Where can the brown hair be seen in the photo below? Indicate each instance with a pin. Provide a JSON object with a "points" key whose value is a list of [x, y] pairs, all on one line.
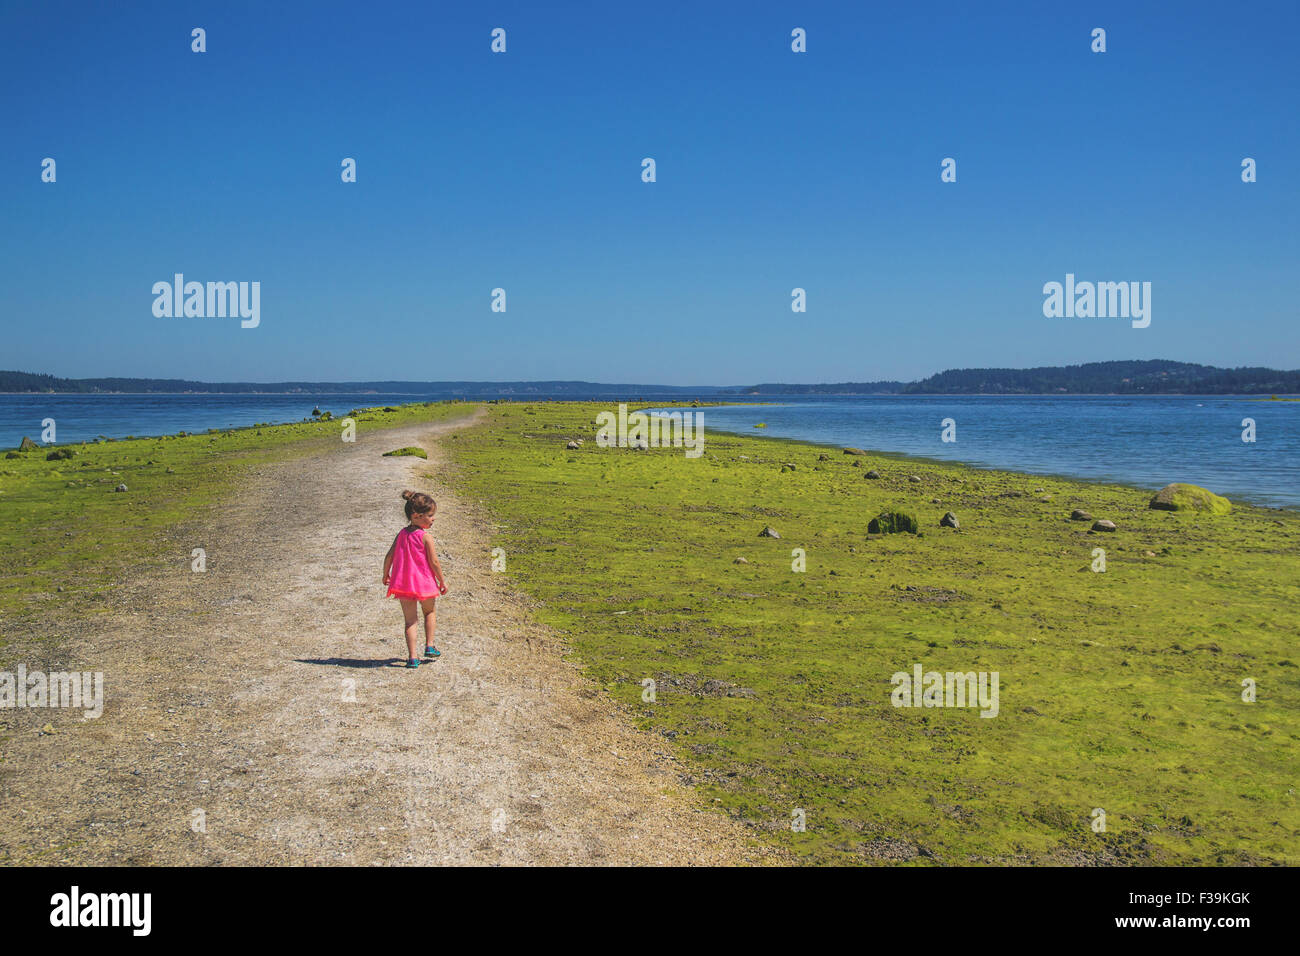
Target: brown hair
{"points": [[417, 502]]}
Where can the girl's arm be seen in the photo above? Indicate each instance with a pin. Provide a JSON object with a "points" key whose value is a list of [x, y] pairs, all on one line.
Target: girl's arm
{"points": [[432, 554], [388, 558]]}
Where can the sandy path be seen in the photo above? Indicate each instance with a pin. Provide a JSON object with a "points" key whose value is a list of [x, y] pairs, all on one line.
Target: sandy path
{"points": [[227, 693]]}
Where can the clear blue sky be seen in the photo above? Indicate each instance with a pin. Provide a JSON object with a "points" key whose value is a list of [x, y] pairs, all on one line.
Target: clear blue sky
{"points": [[522, 170]]}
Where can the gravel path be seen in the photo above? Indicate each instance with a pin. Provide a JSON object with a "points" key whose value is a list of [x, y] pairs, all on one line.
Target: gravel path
{"points": [[258, 713]]}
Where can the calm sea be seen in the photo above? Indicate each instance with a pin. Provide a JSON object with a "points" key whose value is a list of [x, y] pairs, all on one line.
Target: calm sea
{"points": [[1146, 442]]}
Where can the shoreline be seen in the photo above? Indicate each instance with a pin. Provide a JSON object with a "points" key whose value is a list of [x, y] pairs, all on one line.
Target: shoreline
{"points": [[929, 460]]}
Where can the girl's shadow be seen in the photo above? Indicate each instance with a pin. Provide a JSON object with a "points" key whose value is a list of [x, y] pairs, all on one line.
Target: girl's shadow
{"points": [[354, 662]]}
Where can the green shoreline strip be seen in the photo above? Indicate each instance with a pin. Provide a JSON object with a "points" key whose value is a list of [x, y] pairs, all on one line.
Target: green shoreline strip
{"points": [[1119, 690]]}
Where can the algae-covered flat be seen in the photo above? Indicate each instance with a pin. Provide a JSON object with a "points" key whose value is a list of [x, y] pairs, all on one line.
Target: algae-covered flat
{"points": [[1122, 689]]}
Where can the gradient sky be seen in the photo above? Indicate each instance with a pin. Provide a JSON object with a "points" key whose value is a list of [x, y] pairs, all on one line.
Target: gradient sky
{"points": [[523, 170]]}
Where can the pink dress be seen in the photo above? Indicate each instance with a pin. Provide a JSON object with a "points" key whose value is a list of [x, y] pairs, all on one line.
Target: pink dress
{"points": [[410, 576]]}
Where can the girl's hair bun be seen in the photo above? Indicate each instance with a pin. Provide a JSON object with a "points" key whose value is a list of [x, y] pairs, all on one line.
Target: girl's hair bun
{"points": [[408, 495]]}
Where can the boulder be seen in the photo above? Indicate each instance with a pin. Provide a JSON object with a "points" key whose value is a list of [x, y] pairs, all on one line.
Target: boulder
{"points": [[872, 474], [854, 451], [1103, 525], [893, 522], [26, 444], [1181, 497], [949, 520], [1077, 515]]}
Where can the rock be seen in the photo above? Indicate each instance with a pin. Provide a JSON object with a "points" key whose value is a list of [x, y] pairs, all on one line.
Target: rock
{"points": [[949, 520], [856, 463], [26, 444], [1077, 515], [892, 522], [1181, 497], [872, 474], [12, 454], [787, 466], [1103, 525], [1148, 554], [740, 561], [823, 457], [914, 479], [854, 451], [60, 454], [768, 532], [121, 487], [573, 446]]}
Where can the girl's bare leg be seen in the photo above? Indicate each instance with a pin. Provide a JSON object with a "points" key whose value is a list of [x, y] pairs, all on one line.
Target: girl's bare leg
{"points": [[430, 621], [411, 612]]}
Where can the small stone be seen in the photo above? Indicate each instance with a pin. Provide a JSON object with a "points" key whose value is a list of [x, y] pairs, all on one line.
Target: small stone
{"points": [[740, 561], [1077, 515], [914, 479], [572, 446], [854, 451], [768, 532], [120, 488], [1148, 554], [872, 474], [787, 466], [823, 457], [949, 520]]}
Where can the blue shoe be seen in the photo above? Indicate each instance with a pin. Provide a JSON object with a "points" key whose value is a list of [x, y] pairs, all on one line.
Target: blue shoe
{"points": [[431, 652], [413, 662]]}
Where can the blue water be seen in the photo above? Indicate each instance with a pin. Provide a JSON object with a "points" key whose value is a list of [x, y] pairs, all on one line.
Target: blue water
{"points": [[80, 418], [1145, 442]]}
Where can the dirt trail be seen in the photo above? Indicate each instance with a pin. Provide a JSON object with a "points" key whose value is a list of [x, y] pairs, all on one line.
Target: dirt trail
{"points": [[226, 693]]}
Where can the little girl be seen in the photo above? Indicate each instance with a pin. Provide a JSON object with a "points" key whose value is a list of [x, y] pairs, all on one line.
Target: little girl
{"points": [[413, 575]]}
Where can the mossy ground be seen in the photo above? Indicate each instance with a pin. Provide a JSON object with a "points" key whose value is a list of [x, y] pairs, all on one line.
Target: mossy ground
{"points": [[1119, 690], [62, 524]]}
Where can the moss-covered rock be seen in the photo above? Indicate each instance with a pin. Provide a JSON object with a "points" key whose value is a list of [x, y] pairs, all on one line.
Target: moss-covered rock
{"points": [[408, 450], [1182, 497], [27, 444], [893, 522]]}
